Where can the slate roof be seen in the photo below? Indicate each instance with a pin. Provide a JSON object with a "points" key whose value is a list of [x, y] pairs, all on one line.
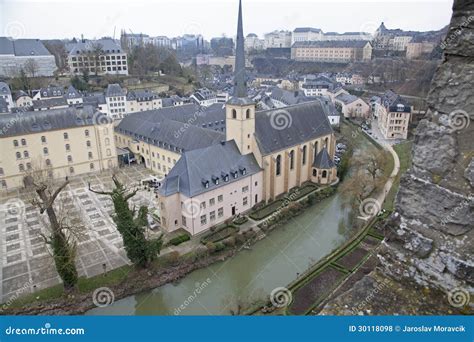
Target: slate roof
{"points": [[49, 103], [141, 95], [47, 120], [22, 47], [4, 89], [199, 166], [306, 29], [108, 45], [323, 160], [333, 44], [288, 97], [391, 100], [346, 98], [114, 90], [3, 106], [20, 93], [72, 93], [51, 91], [278, 129], [161, 127]]}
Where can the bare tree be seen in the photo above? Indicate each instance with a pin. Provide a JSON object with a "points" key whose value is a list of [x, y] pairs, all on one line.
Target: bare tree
{"points": [[61, 241], [31, 67]]}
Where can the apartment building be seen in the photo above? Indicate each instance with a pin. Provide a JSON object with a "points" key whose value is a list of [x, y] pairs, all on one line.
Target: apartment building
{"points": [[332, 51], [115, 98], [352, 106], [306, 34], [141, 100], [204, 97], [64, 142], [103, 56], [277, 39], [393, 114]]}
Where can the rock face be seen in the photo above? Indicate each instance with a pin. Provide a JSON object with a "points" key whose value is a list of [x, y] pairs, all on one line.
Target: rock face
{"points": [[431, 233]]}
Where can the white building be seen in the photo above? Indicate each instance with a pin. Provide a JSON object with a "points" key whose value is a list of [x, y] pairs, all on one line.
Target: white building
{"points": [[278, 39], [103, 56], [29, 55], [252, 42], [6, 95], [115, 97], [306, 34], [204, 97]]}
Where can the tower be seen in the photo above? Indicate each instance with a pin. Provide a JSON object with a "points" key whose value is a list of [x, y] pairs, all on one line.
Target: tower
{"points": [[240, 110]]}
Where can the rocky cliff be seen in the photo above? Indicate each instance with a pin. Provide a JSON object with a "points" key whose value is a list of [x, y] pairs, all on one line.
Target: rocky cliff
{"points": [[430, 236]]}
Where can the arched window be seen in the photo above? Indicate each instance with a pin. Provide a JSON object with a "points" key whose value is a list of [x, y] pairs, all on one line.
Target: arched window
{"points": [[15, 143], [45, 151], [292, 159], [107, 141], [278, 165], [26, 154], [325, 173], [91, 165], [68, 147], [247, 114], [18, 155], [69, 159], [43, 139], [21, 167], [326, 142], [66, 136], [23, 142], [234, 114], [304, 155], [109, 153], [28, 166], [315, 173], [71, 170], [86, 132], [48, 162]]}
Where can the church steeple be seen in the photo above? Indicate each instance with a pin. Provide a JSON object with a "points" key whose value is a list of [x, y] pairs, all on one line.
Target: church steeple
{"points": [[240, 86]]}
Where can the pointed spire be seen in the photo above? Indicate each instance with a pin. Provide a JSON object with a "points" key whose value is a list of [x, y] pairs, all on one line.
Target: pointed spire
{"points": [[240, 86]]}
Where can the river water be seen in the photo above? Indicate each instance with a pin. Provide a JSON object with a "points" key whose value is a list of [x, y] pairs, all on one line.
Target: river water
{"points": [[251, 274]]}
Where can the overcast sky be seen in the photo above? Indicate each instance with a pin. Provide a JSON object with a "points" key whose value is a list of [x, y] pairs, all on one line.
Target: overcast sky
{"points": [[212, 18]]}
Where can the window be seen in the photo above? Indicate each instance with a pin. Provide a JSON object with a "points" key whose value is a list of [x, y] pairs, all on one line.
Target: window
{"points": [[304, 155], [1, 171], [91, 166], [86, 133], [212, 201], [247, 114], [21, 167], [278, 165], [26, 154], [90, 155], [220, 212], [234, 114], [245, 189], [315, 173], [107, 142], [15, 143], [43, 139], [69, 159], [18, 155], [68, 147], [88, 143], [23, 142], [325, 173], [183, 220], [212, 216], [108, 152], [4, 184], [71, 170], [66, 136], [48, 162], [28, 166], [203, 219], [292, 159], [203, 205], [220, 198]]}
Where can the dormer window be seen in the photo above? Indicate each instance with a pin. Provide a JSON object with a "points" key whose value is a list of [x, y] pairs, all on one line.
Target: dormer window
{"points": [[225, 177], [205, 182], [243, 170], [215, 179]]}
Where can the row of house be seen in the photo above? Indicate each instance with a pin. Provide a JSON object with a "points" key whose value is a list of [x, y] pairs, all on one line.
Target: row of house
{"points": [[332, 51]]}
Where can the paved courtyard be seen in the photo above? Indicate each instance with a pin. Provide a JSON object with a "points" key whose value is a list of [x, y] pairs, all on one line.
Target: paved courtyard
{"points": [[26, 263]]}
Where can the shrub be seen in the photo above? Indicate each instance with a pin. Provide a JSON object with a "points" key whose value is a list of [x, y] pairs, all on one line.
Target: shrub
{"points": [[240, 220], [219, 246], [211, 247], [179, 239]]}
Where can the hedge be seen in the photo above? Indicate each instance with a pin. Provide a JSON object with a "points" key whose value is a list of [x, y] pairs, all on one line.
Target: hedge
{"points": [[179, 239]]}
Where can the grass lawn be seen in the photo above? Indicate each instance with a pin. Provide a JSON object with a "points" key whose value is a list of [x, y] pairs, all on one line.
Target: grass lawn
{"points": [[84, 285], [267, 210], [404, 154]]}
